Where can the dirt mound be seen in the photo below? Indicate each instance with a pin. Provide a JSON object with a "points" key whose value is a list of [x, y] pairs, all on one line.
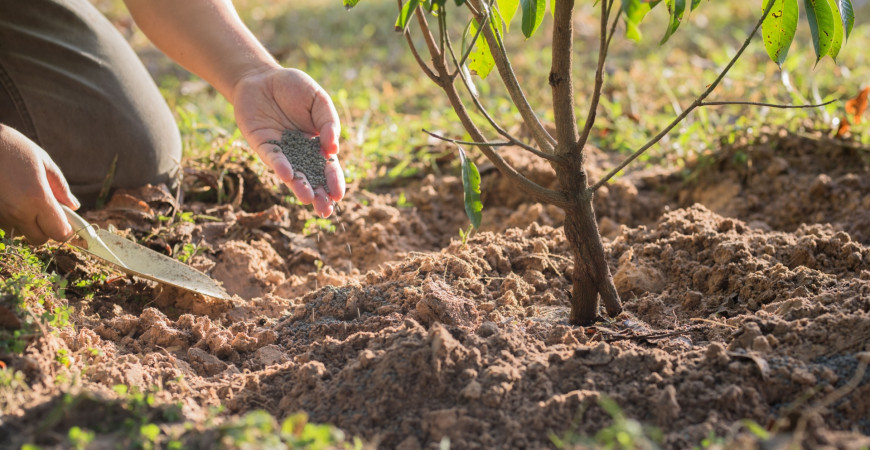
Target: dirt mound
{"points": [[395, 331]]}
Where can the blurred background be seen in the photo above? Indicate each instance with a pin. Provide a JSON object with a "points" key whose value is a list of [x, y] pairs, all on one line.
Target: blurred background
{"points": [[384, 99]]}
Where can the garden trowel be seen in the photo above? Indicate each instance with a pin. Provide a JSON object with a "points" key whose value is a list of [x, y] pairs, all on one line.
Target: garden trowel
{"points": [[141, 261]]}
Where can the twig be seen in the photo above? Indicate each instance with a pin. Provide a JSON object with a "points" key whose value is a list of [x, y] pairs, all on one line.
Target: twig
{"points": [[714, 322], [698, 102], [769, 105], [599, 76], [420, 61], [612, 29], [425, 67], [648, 336], [508, 143], [457, 141]]}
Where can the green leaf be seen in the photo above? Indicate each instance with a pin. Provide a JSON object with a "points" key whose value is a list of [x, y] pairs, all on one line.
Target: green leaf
{"points": [[778, 28], [847, 14], [837, 40], [821, 21], [471, 186], [676, 8], [635, 11], [508, 9], [405, 15], [480, 59], [695, 4], [533, 15], [348, 4]]}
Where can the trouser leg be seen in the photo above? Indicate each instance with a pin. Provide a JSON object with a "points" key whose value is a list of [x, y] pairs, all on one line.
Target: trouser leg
{"points": [[71, 83]]}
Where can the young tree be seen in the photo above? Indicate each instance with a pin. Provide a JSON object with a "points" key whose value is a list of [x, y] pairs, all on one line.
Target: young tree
{"points": [[830, 22]]}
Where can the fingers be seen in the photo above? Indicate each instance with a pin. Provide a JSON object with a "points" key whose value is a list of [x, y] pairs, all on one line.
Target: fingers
{"points": [[52, 222], [334, 179], [323, 205], [59, 186], [33, 232], [329, 138], [326, 120], [273, 157]]}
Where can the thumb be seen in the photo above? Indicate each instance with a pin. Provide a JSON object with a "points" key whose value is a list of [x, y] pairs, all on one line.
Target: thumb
{"points": [[59, 186]]}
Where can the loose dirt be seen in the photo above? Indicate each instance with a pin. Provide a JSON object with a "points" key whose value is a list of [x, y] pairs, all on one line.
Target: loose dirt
{"points": [[746, 288]]}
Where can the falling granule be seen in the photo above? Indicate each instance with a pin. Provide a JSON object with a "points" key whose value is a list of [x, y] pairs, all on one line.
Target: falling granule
{"points": [[304, 155]]}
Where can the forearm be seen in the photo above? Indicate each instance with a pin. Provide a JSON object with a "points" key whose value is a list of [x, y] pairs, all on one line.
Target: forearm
{"points": [[206, 37]]}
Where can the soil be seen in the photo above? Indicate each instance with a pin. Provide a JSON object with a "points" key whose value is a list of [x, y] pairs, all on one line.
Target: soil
{"points": [[746, 288]]}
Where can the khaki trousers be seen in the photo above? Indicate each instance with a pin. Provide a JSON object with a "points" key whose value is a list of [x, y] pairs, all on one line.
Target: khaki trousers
{"points": [[71, 83]]}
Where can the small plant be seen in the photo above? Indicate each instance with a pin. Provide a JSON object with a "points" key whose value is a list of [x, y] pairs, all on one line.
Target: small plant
{"points": [[314, 224], [622, 434], [79, 438], [187, 251], [450, 65], [259, 429]]}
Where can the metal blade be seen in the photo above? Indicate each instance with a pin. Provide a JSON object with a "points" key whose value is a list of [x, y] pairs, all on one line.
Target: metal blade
{"points": [[146, 263], [141, 261]]}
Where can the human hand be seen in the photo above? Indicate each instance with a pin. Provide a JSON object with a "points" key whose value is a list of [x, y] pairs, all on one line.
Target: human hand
{"points": [[31, 190], [266, 103]]}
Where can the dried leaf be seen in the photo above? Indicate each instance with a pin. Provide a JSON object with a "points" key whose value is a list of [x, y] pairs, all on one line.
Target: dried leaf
{"points": [[856, 106], [843, 129]]}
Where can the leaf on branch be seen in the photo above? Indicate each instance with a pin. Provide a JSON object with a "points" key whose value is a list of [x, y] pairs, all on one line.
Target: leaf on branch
{"points": [[821, 20], [348, 4], [533, 15], [837, 41], [856, 106], [676, 8], [480, 59], [508, 9], [847, 15], [471, 186], [405, 15], [779, 27], [635, 11]]}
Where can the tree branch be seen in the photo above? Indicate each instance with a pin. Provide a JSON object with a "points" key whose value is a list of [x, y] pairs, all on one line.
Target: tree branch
{"points": [[698, 102], [606, 6], [420, 61], [561, 80], [511, 139], [508, 77], [508, 143], [769, 105], [470, 46], [534, 190], [423, 66]]}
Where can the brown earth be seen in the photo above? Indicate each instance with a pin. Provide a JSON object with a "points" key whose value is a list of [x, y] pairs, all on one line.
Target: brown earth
{"points": [[746, 287]]}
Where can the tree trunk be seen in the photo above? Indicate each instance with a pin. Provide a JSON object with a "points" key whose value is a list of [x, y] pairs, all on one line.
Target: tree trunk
{"points": [[591, 277]]}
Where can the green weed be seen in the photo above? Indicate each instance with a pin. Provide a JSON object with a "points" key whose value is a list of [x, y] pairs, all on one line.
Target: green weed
{"points": [[314, 224], [623, 434]]}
